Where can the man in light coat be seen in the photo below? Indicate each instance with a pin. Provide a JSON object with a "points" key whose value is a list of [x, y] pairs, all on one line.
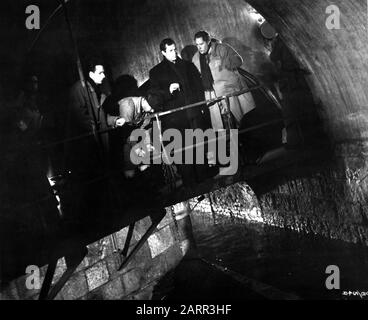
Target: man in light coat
{"points": [[218, 63]]}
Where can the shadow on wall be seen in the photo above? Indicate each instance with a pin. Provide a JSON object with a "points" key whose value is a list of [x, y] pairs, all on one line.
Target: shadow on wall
{"points": [[188, 52]]}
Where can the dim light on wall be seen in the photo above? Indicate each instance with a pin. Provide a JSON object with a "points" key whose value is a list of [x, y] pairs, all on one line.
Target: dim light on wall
{"points": [[256, 16]]}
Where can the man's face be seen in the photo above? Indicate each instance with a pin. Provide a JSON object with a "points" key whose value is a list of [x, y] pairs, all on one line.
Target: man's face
{"points": [[202, 45], [170, 53], [98, 75]]}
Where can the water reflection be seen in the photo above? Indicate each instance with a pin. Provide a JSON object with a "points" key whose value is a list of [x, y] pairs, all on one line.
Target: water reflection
{"points": [[290, 261]]}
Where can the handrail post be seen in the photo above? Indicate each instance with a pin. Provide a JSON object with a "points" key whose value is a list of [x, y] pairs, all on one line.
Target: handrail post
{"points": [[169, 172], [227, 114]]}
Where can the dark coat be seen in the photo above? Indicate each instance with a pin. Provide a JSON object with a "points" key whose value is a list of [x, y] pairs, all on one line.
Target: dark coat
{"points": [[191, 91], [81, 104], [82, 154]]}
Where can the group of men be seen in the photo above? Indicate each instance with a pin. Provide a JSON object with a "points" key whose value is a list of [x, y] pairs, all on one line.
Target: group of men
{"points": [[211, 74], [174, 83]]}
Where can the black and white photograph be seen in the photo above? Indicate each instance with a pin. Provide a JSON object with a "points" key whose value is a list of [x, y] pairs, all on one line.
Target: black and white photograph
{"points": [[187, 155]]}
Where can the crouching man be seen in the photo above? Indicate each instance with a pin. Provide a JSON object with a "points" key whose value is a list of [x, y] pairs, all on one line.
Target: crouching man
{"points": [[131, 113]]}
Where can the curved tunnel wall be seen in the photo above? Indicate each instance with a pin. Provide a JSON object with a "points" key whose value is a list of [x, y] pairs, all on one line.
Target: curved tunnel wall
{"points": [[336, 58], [331, 198], [131, 35]]}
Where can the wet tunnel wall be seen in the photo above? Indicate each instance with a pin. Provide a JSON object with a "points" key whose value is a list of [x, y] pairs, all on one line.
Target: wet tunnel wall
{"points": [[331, 200], [336, 58]]}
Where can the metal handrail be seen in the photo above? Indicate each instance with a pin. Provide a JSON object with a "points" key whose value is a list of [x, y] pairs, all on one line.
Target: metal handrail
{"points": [[208, 102], [160, 114], [265, 90], [152, 116]]}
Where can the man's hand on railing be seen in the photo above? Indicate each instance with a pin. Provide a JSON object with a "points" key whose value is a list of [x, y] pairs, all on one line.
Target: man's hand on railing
{"points": [[223, 108], [122, 121]]}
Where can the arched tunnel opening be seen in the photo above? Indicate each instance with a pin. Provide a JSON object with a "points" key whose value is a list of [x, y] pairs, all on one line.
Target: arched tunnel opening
{"points": [[80, 222]]}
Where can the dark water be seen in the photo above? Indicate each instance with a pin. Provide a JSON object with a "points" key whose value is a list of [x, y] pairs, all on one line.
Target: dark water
{"points": [[289, 261]]}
